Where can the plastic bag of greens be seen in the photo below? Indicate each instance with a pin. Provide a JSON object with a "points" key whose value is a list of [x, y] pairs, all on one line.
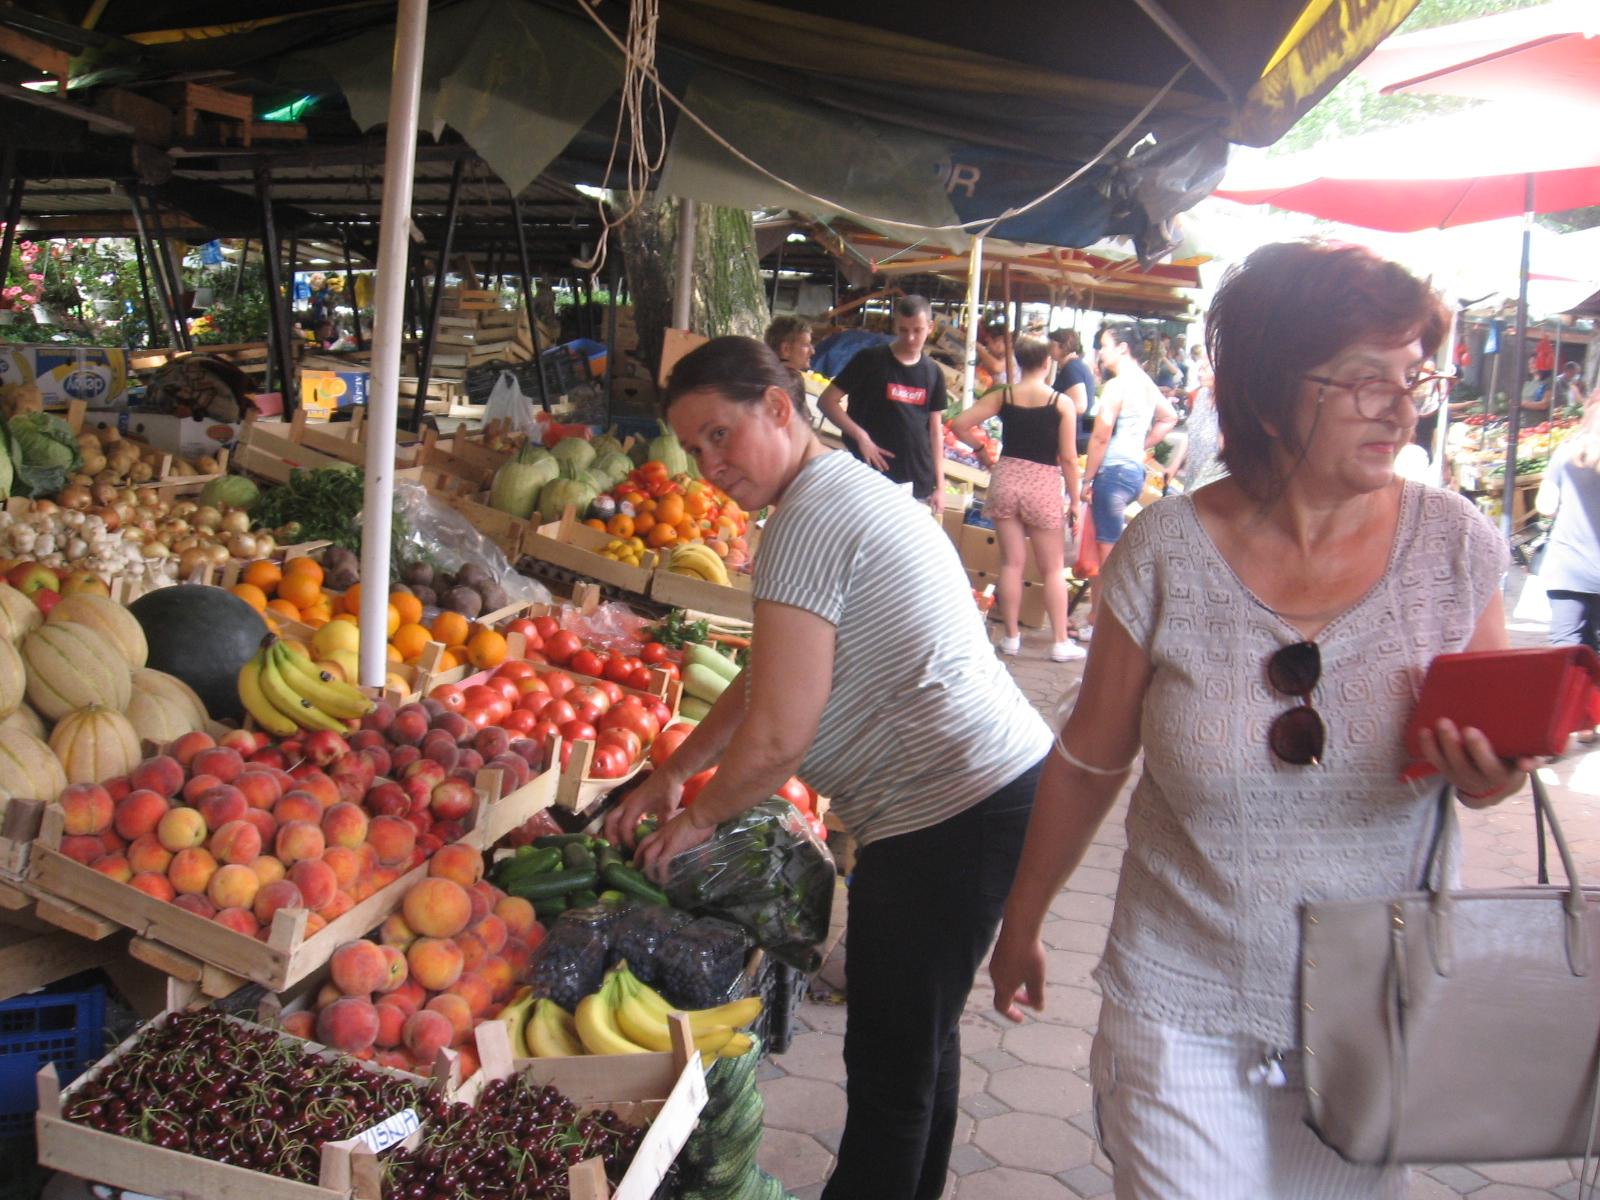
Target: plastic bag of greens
{"points": [[767, 873]]}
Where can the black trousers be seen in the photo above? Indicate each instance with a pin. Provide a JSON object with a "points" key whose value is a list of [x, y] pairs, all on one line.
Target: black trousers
{"points": [[923, 911]]}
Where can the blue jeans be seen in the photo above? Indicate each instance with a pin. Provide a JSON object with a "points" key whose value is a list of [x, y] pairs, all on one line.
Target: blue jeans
{"points": [[1116, 485]]}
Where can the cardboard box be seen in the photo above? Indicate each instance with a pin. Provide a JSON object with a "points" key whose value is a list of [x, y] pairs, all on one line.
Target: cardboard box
{"points": [[980, 549], [177, 435], [1032, 614], [321, 392], [97, 375], [952, 520]]}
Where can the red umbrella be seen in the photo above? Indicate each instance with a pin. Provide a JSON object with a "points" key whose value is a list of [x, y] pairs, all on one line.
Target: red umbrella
{"points": [[1551, 52]]}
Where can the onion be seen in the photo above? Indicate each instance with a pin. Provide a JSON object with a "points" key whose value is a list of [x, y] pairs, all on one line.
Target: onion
{"points": [[191, 560], [104, 493], [134, 535], [206, 517], [266, 544], [45, 508], [236, 521], [218, 553], [75, 496], [184, 508]]}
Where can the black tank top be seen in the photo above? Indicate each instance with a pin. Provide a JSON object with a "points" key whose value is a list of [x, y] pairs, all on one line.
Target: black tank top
{"points": [[1032, 434]]}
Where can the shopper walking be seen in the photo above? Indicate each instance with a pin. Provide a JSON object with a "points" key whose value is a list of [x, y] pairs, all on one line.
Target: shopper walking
{"points": [[1074, 380], [1038, 450], [871, 677], [1273, 628], [1570, 571]]}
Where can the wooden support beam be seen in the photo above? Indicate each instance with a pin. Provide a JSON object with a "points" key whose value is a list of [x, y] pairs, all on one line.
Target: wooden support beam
{"points": [[47, 59]]}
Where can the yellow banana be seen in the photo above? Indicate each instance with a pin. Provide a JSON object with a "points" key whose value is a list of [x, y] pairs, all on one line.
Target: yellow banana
{"points": [[550, 1032], [596, 1020], [642, 1014], [700, 560], [515, 1016], [289, 702], [333, 696], [256, 703], [738, 1046], [735, 1014]]}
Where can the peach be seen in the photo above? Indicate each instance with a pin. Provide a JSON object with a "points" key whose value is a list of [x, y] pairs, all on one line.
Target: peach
{"points": [[475, 990], [266, 824], [191, 870], [236, 842], [395, 932], [181, 829], [518, 954], [409, 997], [161, 774], [83, 847], [491, 931], [320, 786], [221, 804], [473, 951], [148, 854], [152, 884], [200, 906], [396, 1060], [302, 1024], [438, 908], [316, 882], [299, 841], [386, 798], [409, 726], [259, 787], [481, 905], [395, 959], [234, 886], [297, 806], [454, 726], [341, 903], [197, 786], [138, 813], [240, 920], [345, 825], [378, 760], [455, 1010], [245, 741], [314, 923], [467, 1059], [517, 915], [273, 896], [222, 761], [459, 863], [401, 757], [383, 877], [87, 810], [111, 843], [391, 1020], [345, 864], [435, 963], [349, 1024], [324, 747], [326, 995], [117, 788], [425, 1033], [497, 973], [268, 869], [379, 719], [359, 968], [392, 838], [114, 866], [189, 745]]}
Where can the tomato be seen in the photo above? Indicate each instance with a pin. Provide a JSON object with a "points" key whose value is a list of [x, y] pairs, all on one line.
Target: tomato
{"points": [[673, 670], [610, 761], [578, 731], [560, 647], [631, 714], [693, 785], [516, 668], [534, 702], [592, 694], [626, 738], [639, 679], [506, 687], [610, 688], [617, 668], [534, 656], [559, 711], [586, 662], [531, 637], [797, 794], [480, 695], [653, 652], [566, 754], [657, 709], [532, 683], [588, 712], [668, 742], [559, 683], [519, 720], [543, 730], [449, 695], [546, 627], [478, 718]]}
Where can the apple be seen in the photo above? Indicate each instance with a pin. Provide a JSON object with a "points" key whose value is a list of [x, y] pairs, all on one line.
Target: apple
{"points": [[84, 583], [45, 599], [29, 577]]}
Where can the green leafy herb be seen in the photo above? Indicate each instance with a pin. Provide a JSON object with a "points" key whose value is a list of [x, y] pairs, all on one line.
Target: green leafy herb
{"points": [[325, 504], [676, 630]]}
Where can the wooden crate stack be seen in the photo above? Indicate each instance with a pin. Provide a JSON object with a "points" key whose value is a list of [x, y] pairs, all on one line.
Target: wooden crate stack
{"points": [[473, 330]]}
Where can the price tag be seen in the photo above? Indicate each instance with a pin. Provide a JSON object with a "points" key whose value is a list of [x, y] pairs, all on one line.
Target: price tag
{"points": [[391, 1130]]}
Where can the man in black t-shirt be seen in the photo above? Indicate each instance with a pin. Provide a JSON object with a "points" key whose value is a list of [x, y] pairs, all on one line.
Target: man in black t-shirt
{"points": [[896, 398]]}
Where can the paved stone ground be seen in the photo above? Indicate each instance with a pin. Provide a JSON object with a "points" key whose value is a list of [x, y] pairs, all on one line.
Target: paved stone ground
{"points": [[1025, 1131]]}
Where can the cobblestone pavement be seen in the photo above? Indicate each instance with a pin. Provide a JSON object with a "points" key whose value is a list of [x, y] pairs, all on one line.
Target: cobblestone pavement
{"points": [[1025, 1131]]}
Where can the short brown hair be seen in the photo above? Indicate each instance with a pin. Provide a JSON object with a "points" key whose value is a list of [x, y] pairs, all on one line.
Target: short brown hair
{"points": [[1286, 308], [1030, 352], [1067, 339], [784, 329]]}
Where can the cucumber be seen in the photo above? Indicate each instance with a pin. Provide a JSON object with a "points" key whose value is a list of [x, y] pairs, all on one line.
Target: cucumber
{"points": [[549, 906], [555, 883], [692, 708], [703, 682], [705, 656], [625, 879], [578, 857], [560, 839], [537, 863], [582, 899]]}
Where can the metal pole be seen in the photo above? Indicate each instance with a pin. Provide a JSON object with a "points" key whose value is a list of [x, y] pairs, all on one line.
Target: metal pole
{"points": [[1011, 311], [350, 291], [238, 274], [527, 300], [1518, 361], [13, 215], [777, 269], [683, 292], [144, 289], [400, 155], [148, 266], [425, 366], [974, 275], [162, 250], [1446, 347], [279, 326], [611, 333]]}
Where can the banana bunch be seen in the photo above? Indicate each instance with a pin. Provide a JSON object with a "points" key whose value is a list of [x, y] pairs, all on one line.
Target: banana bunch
{"points": [[548, 1032], [286, 693], [627, 1017], [698, 561]]}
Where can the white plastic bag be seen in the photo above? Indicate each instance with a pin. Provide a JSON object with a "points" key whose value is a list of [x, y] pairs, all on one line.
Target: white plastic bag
{"points": [[508, 405]]}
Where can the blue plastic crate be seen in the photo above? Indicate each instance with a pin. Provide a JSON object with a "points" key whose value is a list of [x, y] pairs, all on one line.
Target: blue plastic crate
{"points": [[66, 1028]]}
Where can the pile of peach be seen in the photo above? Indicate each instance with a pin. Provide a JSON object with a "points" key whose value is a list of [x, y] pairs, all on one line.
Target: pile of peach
{"points": [[447, 961]]}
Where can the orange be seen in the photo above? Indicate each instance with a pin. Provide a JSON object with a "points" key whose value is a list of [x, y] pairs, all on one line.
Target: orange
{"points": [[486, 649], [447, 662], [411, 639], [262, 574], [284, 608], [661, 535], [344, 616], [319, 613], [670, 508], [393, 654], [253, 596], [643, 523], [304, 566], [698, 503], [351, 602], [393, 619], [300, 590], [451, 628], [687, 530], [409, 607], [620, 526], [596, 523]]}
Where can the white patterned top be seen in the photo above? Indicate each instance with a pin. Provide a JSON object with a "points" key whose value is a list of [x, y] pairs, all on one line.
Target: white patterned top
{"points": [[1225, 842]]}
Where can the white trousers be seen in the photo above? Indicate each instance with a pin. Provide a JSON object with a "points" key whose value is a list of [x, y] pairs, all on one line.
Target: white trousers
{"points": [[1186, 1116]]}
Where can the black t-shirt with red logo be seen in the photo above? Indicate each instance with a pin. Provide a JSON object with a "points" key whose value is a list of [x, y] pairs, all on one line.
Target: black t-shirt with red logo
{"points": [[892, 401]]}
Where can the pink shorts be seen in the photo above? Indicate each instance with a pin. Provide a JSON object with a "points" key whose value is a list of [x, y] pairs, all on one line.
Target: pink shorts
{"points": [[1029, 491]]}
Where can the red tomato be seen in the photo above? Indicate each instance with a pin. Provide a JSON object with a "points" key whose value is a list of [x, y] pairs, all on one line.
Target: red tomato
{"points": [[626, 738], [588, 712], [449, 695], [534, 657], [544, 730], [589, 693], [610, 761], [668, 742], [639, 679], [586, 662], [559, 711], [578, 731], [657, 709], [515, 669], [566, 754], [560, 647], [653, 652], [519, 720], [532, 684], [499, 710], [506, 687], [480, 695], [617, 669], [693, 785], [533, 702], [610, 688], [545, 627], [631, 714], [671, 668], [478, 718], [559, 683], [797, 794], [532, 638]]}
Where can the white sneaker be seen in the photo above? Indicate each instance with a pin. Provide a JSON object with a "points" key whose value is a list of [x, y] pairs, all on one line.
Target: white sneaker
{"points": [[1067, 651], [1084, 633], [1011, 645]]}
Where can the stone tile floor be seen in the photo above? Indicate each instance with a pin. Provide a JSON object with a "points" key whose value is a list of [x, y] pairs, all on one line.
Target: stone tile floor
{"points": [[1025, 1132]]}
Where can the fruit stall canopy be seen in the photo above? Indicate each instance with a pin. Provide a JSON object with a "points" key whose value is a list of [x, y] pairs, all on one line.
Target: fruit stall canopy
{"points": [[934, 114]]}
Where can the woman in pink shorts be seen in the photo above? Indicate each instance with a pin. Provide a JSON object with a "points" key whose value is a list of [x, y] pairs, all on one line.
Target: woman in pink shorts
{"points": [[1028, 488]]}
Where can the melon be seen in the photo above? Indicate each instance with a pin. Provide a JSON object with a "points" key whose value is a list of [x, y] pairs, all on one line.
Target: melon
{"points": [[71, 666], [158, 683], [28, 721], [95, 744], [29, 767], [19, 616], [107, 618], [202, 635], [13, 679], [158, 717]]}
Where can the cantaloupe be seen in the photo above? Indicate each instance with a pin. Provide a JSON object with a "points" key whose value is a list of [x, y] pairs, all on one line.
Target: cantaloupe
{"points": [[70, 666], [29, 768], [13, 679], [28, 721], [203, 635], [95, 744], [148, 681], [19, 616], [107, 618], [159, 717]]}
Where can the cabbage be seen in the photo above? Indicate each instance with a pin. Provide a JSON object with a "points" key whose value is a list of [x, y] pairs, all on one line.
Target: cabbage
{"points": [[517, 486], [614, 465], [234, 491], [6, 472], [532, 452], [574, 452], [556, 495], [606, 443], [666, 449], [44, 452]]}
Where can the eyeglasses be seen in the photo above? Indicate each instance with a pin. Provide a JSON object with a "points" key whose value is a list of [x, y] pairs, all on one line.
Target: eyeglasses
{"points": [[1297, 736], [1376, 398]]}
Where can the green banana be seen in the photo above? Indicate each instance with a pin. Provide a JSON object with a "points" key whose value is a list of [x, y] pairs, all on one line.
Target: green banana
{"points": [[334, 697], [289, 702], [257, 704]]}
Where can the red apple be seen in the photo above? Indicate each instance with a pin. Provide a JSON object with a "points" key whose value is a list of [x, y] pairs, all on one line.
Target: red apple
{"points": [[45, 599], [29, 577]]}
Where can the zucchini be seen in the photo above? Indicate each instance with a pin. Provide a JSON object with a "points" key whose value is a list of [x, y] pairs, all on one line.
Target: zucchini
{"points": [[560, 839], [703, 683], [539, 862], [582, 899], [554, 883], [714, 660], [549, 906], [578, 857], [624, 878]]}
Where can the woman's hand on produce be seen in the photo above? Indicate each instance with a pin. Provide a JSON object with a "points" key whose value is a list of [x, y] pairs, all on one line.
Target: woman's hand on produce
{"points": [[1467, 760], [657, 796], [676, 837], [1017, 964]]}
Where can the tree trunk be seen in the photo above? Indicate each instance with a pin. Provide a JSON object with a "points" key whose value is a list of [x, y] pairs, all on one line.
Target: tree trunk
{"points": [[728, 295]]}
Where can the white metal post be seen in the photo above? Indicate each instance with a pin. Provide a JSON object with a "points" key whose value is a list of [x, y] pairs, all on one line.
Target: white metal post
{"points": [[974, 275], [683, 292]]}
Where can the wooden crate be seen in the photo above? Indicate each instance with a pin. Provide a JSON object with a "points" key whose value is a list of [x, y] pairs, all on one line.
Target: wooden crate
{"points": [[272, 449], [575, 546], [684, 591]]}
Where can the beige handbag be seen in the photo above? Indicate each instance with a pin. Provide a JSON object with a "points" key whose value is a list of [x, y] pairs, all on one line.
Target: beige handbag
{"points": [[1455, 1026]]}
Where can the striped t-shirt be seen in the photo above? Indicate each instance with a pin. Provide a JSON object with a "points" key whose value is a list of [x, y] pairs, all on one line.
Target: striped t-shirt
{"points": [[923, 720]]}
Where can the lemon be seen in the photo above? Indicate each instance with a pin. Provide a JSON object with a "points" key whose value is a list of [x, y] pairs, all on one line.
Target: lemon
{"points": [[335, 636]]}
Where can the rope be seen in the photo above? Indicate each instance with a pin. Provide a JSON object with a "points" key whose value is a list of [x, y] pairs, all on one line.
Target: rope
{"points": [[639, 63]]}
